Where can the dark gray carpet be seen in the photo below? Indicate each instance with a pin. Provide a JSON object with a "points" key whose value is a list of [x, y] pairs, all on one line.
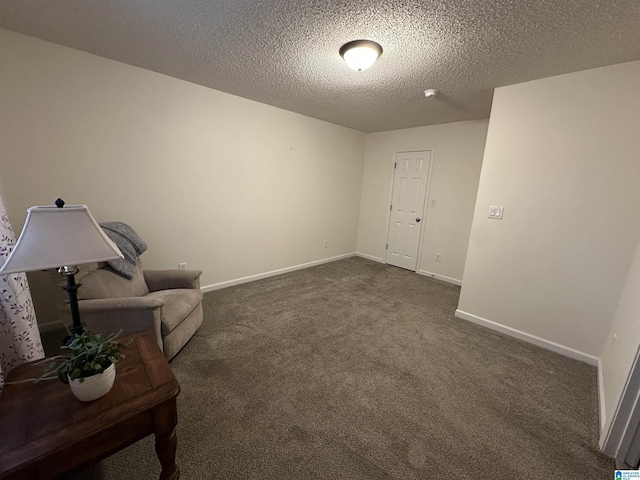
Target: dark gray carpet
{"points": [[356, 370]]}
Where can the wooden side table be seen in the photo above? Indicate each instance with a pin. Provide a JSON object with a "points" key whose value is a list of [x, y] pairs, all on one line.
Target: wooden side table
{"points": [[45, 431]]}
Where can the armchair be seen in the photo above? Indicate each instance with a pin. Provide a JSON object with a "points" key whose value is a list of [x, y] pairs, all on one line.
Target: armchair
{"points": [[168, 302]]}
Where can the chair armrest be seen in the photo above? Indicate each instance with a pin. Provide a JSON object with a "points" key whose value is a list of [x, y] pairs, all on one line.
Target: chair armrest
{"points": [[168, 279], [131, 314], [119, 305]]}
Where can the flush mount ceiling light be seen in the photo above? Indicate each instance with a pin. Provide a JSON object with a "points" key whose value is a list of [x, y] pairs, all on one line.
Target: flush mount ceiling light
{"points": [[360, 54]]}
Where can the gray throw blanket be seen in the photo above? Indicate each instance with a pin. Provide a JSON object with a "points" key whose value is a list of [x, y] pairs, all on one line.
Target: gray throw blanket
{"points": [[129, 243]]}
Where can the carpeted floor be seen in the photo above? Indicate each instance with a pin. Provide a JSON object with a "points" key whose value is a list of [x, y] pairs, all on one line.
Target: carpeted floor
{"points": [[356, 370]]}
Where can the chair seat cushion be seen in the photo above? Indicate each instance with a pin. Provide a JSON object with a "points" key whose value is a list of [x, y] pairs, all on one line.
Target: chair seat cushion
{"points": [[178, 304]]}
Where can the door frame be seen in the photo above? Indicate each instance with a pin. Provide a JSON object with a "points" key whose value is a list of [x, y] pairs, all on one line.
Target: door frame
{"points": [[617, 435], [427, 195]]}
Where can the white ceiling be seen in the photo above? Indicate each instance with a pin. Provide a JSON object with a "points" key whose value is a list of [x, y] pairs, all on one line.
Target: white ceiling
{"points": [[285, 52]]}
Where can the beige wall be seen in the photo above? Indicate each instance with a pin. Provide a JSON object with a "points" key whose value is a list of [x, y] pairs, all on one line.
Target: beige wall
{"points": [[230, 186], [562, 157], [457, 150]]}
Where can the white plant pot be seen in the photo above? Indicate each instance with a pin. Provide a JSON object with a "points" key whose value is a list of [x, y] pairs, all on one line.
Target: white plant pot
{"points": [[94, 387]]}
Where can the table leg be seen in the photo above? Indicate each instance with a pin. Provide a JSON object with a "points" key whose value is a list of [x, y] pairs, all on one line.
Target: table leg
{"points": [[165, 418]]}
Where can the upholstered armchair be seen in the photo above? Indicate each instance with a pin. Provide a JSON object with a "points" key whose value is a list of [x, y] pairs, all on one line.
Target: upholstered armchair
{"points": [[167, 302]]}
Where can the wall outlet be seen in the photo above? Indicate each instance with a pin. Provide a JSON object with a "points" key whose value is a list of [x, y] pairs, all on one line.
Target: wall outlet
{"points": [[438, 257], [182, 266], [326, 243]]}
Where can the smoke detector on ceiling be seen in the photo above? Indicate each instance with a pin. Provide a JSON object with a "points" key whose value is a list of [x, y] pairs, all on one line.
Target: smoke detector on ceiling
{"points": [[430, 93]]}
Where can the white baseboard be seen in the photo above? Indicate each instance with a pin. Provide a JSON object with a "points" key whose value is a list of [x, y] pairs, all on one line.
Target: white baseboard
{"points": [[437, 276], [527, 337], [273, 273], [601, 407], [370, 257]]}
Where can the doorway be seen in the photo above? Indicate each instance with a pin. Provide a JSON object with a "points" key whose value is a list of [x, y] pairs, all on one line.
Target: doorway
{"points": [[411, 177]]}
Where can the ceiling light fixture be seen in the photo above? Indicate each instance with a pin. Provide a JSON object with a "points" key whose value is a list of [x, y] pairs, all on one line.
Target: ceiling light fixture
{"points": [[430, 93], [360, 54]]}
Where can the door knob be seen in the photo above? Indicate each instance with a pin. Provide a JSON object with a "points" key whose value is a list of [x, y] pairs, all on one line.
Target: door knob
{"points": [[418, 219]]}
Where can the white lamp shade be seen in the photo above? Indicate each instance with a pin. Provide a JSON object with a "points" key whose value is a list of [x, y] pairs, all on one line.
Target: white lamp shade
{"points": [[53, 237], [360, 54]]}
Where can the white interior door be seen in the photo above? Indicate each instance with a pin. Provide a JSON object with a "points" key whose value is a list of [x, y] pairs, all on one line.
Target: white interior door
{"points": [[407, 205]]}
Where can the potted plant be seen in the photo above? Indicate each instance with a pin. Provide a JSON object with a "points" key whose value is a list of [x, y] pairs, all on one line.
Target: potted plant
{"points": [[89, 368]]}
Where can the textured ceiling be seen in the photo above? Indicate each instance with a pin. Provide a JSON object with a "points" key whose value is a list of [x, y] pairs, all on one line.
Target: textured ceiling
{"points": [[285, 52]]}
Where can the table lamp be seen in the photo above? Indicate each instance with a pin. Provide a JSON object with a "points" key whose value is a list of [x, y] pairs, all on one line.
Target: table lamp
{"points": [[61, 237]]}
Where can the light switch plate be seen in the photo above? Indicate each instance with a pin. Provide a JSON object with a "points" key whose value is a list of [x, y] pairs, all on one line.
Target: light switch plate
{"points": [[495, 212]]}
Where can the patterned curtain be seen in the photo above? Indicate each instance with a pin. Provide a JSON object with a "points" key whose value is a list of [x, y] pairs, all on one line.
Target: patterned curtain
{"points": [[19, 335]]}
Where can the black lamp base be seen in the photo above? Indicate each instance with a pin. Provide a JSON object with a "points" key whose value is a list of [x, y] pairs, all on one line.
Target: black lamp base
{"points": [[71, 288]]}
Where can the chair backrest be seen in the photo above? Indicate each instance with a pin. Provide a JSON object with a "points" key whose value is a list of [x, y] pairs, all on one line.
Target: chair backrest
{"points": [[99, 280]]}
